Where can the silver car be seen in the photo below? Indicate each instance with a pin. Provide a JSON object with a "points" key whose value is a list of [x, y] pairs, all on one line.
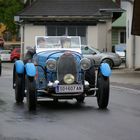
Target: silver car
{"points": [[112, 59]]}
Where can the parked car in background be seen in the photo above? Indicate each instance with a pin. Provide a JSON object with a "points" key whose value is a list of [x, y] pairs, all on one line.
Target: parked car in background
{"points": [[120, 49], [0, 66], [15, 54], [5, 55], [58, 70], [1, 42], [98, 57]]}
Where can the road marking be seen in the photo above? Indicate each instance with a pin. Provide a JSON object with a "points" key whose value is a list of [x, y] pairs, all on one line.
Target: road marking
{"points": [[136, 92]]}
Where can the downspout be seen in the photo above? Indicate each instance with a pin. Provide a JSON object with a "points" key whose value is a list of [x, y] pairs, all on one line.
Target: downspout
{"points": [[134, 39]]}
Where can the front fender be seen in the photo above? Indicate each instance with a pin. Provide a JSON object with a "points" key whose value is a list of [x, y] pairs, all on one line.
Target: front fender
{"points": [[30, 69], [19, 66], [105, 69]]}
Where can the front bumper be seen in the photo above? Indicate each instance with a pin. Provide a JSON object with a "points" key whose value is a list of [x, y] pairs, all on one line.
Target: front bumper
{"points": [[54, 90]]}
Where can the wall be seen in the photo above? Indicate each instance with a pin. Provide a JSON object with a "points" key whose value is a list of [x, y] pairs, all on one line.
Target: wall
{"points": [[97, 36], [132, 42], [109, 35], [92, 35], [129, 38], [28, 33], [105, 36], [137, 50], [100, 36]]}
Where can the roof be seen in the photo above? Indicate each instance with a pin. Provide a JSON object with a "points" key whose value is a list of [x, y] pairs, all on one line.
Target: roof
{"points": [[68, 8], [136, 18], [120, 22]]}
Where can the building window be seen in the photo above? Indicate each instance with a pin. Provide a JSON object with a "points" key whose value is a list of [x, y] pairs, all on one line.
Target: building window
{"points": [[51, 31], [68, 30], [72, 30], [60, 30], [122, 37]]}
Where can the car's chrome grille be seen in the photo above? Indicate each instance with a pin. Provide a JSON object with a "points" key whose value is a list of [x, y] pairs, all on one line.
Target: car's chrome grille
{"points": [[66, 65]]}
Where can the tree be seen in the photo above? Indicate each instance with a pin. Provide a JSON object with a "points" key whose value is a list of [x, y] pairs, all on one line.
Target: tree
{"points": [[8, 9]]}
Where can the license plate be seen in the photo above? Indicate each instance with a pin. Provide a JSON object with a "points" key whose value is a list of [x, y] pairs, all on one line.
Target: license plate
{"points": [[69, 88]]}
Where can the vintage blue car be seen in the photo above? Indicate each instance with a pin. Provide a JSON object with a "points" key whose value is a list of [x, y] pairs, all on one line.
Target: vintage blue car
{"points": [[58, 70]]}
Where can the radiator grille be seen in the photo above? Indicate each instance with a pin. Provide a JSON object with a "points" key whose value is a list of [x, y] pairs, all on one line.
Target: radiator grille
{"points": [[66, 65]]}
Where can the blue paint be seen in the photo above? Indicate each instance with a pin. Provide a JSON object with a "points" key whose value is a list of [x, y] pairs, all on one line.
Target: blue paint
{"points": [[105, 69], [42, 57], [30, 69], [19, 65]]}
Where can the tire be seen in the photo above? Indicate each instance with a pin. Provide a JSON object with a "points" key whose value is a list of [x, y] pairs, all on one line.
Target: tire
{"points": [[19, 88], [103, 91], [109, 62], [31, 93], [90, 77]]}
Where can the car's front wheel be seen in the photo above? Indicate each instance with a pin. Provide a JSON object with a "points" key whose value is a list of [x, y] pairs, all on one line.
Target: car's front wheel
{"points": [[19, 87], [31, 93], [103, 91]]}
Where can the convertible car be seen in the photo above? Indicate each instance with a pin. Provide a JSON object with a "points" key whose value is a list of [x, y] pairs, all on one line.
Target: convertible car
{"points": [[58, 70]]}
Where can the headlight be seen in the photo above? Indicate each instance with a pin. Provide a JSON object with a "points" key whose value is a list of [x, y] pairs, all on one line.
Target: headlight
{"points": [[85, 63], [51, 64], [69, 79]]}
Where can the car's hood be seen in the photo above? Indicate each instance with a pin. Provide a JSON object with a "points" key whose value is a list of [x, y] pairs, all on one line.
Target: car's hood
{"points": [[48, 54], [108, 53], [43, 56]]}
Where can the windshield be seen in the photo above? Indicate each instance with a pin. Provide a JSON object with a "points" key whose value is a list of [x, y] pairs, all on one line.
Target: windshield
{"points": [[89, 50], [58, 42]]}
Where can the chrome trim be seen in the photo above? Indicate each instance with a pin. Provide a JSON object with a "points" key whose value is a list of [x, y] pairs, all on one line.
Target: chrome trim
{"points": [[60, 95], [63, 95], [91, 89]]}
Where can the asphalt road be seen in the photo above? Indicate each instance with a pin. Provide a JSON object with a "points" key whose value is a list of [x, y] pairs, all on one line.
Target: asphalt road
{"points": [[67, 120]]}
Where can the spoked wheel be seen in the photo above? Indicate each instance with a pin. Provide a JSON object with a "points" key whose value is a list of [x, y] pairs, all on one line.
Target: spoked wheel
{"points": [[19, 87], [103, 91], [31, 93]]}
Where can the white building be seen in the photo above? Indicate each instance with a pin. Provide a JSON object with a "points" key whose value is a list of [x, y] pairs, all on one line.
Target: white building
{"points": [[132, 42], [90, 19]]}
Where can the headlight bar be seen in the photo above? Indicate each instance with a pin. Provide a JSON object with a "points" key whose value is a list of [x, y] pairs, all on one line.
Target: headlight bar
{"points": [[51, 64], [85, 63]]}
